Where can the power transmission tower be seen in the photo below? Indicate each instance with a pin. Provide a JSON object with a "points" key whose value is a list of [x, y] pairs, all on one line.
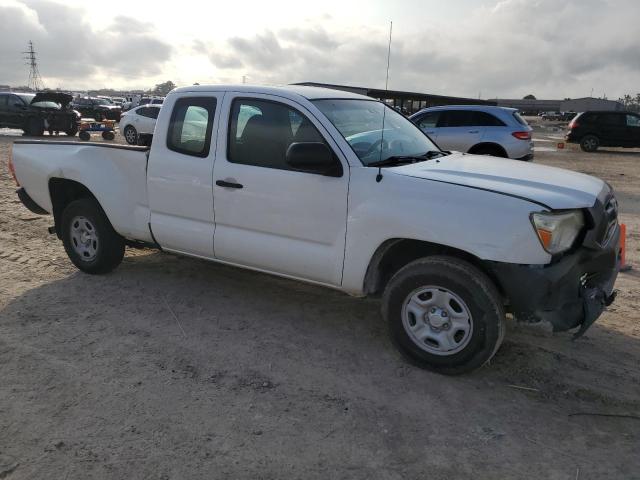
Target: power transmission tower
{"points": [[35, 80]]}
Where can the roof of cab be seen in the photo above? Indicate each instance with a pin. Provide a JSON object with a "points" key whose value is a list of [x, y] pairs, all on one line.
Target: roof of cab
{"points": [[290, 91]]}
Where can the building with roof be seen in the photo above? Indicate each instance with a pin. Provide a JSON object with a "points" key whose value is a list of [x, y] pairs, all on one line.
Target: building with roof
{"points": [[535, 106]]}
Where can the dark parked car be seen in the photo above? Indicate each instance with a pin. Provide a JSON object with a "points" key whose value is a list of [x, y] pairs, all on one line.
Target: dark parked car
{"points": [[604, 129], [36, 112], [97, 108]]}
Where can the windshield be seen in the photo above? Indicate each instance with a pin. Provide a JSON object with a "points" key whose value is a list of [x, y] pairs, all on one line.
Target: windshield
{"points": [[360, 123], [104, 101], [27, 97]]}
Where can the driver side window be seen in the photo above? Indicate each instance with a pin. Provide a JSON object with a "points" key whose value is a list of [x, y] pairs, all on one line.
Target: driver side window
{"points": [[260, 133], [15, 102], [428, 120]]}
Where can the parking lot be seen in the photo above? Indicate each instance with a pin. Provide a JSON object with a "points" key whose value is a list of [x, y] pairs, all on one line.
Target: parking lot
{"points": [[174, 368]]}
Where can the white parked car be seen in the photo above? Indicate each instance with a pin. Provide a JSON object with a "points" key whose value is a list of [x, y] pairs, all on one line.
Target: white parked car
{"points": [[478, 129], [139, 120], [339, 190]]}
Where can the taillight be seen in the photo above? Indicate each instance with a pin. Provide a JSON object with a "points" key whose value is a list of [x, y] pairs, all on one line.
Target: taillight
{"points": [[573, 124], [522, 135], [12, 170]]}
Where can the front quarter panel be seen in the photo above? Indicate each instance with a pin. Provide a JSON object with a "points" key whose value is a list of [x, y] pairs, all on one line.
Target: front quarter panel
{"points": [[488, 225]]}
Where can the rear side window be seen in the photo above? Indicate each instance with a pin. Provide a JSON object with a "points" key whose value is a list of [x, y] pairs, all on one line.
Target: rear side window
{"points": [[260, 133], [3, 101], [632, 120], [519, 119], [190, 126], [611, 119], [456, 118], [428, 120], [148, 112], [484, 119]]}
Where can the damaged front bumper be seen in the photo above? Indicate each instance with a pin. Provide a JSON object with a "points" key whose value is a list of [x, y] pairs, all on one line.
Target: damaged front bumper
{"points": [[572, 292]]}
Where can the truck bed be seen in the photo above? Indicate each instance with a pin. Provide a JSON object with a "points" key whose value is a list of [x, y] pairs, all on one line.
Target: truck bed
{"points": [[114, 174]]}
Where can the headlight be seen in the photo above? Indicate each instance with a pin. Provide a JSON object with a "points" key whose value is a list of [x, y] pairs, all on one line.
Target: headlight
{"points": [[558, 231]]}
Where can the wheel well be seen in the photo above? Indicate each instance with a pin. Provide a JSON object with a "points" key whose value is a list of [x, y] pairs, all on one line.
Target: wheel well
{"points": [[489, 146], [63, 192], [394, 254]]}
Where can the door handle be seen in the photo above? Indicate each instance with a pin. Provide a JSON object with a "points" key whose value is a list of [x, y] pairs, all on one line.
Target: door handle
{"points": [[430, 133], [473, 131], [222, 183]]}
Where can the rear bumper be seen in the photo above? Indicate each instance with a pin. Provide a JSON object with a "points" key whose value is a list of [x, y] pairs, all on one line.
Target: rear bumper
{"points": [[569, 293], [571, 138], [526, 158], [28, 202]]}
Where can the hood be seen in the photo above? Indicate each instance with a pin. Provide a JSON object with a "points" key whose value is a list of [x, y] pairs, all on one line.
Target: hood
{"points": [[552, 187], [63, 99]]}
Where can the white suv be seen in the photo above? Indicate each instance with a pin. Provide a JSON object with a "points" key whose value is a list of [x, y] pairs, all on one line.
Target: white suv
{"points": [[478, 129]]}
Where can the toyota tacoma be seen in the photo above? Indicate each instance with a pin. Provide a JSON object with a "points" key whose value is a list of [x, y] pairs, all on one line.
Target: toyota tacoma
{"points": [[339, 190]]}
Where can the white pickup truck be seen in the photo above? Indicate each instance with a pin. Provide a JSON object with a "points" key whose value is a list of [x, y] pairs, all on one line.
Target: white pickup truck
{"points": [[340, 190]]}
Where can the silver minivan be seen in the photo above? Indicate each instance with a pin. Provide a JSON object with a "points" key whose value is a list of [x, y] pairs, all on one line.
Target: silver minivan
{"points": [[478, 129]]}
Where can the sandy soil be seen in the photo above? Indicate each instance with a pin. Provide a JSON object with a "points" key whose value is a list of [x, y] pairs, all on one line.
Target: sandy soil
{"points": [[172, 368]]}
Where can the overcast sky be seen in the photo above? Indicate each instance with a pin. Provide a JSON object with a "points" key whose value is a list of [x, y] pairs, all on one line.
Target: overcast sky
{"points": [[487, 48]]}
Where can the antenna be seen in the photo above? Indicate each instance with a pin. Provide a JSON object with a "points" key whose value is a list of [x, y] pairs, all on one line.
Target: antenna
{"points": [[384, 111], [35, 80], [386, 83]]}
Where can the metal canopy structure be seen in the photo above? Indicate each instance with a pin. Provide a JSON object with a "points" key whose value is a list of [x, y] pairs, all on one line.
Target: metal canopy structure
{"points": [[406, 102]]}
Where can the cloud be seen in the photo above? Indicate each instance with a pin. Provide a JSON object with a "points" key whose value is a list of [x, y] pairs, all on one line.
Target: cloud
{"points": [[511, 48], [73, 52], [506, 48]]}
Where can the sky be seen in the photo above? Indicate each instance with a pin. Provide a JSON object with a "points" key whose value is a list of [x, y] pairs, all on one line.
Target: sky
{"points": [[473, 48]]}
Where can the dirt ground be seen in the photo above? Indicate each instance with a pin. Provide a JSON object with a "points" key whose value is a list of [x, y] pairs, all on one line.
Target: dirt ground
{"points": [[173, 368]]}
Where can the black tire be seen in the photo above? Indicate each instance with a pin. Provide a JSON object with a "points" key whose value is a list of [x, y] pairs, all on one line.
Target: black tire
{"points": [[35, 127], [108, 247], [477, 293], [71, 132], [85, 136], [488, 150], [131, 135], [108, 135], [589, 143]]}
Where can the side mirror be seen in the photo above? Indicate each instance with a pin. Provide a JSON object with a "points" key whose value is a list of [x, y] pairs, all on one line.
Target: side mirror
{"points": [[313, 157]]}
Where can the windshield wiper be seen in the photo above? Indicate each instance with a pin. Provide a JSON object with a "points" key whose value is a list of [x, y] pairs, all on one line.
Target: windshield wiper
{"points": [[400, 159]]}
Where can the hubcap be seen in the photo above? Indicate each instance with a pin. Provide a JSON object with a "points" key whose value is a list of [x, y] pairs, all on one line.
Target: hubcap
{"points": [[84, 238], [130, 135], [437, 320]]}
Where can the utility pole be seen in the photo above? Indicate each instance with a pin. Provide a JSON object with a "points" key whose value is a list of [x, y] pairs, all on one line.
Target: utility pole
{"points": [[35, 80]]}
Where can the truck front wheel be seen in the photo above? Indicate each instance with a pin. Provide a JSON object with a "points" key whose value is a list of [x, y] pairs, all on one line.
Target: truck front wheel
{"points": [[444, 314], [89, 239]]}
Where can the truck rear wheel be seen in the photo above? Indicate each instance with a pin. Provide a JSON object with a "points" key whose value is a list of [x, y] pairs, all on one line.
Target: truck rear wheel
{"points": [[89, 239], [444, 314]]}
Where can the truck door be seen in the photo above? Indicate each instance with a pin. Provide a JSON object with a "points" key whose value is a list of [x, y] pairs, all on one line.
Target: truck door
{"points": [[456, 130], [179, 175], [269, 216]]}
